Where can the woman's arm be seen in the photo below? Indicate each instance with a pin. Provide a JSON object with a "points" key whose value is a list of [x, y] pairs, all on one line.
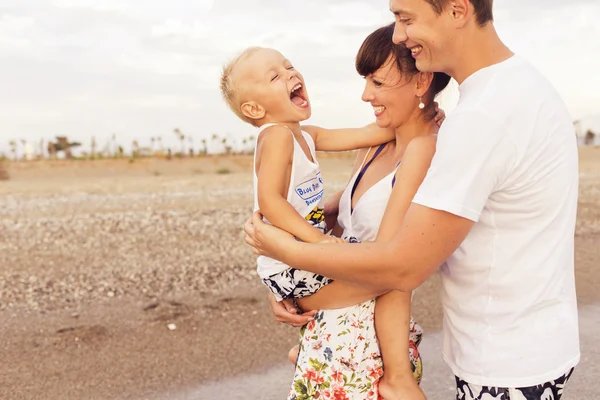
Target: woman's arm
{"points": [[393, 309], [409, 176]]}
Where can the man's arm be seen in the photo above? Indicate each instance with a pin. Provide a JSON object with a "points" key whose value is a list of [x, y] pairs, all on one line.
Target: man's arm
{"points": [[426, 238], [474, 158], [274, 153]]}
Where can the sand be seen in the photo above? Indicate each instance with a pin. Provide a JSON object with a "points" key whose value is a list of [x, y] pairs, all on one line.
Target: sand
{"points": [[128, 280]]}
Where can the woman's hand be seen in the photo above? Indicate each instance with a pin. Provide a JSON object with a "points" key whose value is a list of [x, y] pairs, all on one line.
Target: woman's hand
{"points": [[331, 239], [266, 239], [331, 209], [285, 312]]}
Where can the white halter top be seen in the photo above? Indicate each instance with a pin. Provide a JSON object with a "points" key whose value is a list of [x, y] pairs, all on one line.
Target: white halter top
{"points": [[362, 223]]}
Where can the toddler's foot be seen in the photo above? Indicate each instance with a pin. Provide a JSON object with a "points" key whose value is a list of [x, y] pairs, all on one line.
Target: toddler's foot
{"points": [[293, 354]]}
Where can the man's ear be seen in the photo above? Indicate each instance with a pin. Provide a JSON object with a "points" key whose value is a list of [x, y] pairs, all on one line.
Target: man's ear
{"points": [[253, 110], [460, 10]]}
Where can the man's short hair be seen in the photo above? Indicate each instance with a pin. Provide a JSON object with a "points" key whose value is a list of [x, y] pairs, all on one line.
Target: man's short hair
{"points": [[483, 9]]}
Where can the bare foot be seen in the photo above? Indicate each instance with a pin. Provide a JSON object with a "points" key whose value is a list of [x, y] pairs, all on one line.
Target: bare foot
{"points": [[293, 354], [400, 389]]}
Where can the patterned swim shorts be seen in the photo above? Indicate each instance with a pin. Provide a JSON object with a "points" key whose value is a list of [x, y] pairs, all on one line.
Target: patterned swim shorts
{"points": [[552, 390], [295, 283]]}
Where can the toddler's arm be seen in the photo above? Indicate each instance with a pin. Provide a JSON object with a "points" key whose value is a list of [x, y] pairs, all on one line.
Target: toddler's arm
{"points": [[348, 138], [274, 153], [356, 138]]}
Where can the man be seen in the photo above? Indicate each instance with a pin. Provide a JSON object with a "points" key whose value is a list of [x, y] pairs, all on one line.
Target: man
{"points": [[497, 210]]}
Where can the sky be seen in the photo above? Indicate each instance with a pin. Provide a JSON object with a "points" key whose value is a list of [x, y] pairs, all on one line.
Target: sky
{"points": [[141, 68]]}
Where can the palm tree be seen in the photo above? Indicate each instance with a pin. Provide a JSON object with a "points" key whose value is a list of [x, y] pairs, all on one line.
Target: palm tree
{"points": [[204, 147], [191, 144], [135, 149], [115, 148], [13, 149], [227, 147], [181, 137], [93, 148]]}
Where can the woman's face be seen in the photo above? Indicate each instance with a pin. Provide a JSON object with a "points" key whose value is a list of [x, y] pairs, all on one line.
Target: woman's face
{"points": [[392, 96]]}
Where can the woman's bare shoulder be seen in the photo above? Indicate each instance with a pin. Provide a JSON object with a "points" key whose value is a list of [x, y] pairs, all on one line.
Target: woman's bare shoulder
{"points": [[423, 146]]}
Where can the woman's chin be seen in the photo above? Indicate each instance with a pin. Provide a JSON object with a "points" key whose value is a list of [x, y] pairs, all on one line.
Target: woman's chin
{"points": [[382, 123]]}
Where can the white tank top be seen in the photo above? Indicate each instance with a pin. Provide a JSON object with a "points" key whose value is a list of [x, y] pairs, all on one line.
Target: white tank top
{"points": [[305, 194], [362, 223]]}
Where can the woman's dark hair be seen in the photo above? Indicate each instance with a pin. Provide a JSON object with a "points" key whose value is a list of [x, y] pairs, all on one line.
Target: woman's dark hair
{"points": [[376, 51]]}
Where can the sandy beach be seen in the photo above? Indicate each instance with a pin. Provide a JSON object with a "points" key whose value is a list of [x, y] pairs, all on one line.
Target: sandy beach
{"points": [[130, 280]]}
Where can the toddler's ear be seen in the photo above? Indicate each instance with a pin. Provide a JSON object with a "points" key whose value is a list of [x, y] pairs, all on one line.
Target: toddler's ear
{"points": [[253, 110]]}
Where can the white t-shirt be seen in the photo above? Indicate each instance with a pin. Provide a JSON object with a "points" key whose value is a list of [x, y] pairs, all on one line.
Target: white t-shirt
{"points": [[507, 159]]}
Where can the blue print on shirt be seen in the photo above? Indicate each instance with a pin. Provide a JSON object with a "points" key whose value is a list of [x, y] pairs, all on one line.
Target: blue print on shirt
{"points": [[311, 191]]}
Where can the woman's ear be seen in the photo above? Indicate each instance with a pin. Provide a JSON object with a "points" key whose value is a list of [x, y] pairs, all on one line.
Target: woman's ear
{"points": [[253, 110], [423, 83]]}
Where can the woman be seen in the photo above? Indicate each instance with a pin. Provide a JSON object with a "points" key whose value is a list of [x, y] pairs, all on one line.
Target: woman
{"points": [[340, 355]]}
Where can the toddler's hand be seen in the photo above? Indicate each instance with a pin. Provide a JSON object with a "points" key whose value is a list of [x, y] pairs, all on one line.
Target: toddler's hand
{"points": [[440, 115]]}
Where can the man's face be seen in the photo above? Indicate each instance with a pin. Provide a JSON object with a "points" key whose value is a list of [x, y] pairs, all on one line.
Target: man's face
{"points": [[427, 34]]}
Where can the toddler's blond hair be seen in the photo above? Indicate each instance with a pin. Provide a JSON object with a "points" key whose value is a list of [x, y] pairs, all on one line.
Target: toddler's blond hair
{"points": [[230, 89]]}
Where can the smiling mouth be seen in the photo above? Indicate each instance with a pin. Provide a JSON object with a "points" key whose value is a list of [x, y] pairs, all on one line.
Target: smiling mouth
{"points": [[378, 110], [415, 51], [298, 96]]}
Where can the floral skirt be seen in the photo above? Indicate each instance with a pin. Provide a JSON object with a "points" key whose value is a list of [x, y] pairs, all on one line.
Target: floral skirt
{"points": [[340, 358]]}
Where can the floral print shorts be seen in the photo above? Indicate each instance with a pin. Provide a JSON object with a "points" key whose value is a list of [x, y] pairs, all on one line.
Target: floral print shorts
{"points": [[340, 358]]}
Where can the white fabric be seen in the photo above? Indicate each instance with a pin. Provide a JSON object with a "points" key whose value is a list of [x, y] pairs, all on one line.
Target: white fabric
{"points": [[362, 225], [507, 159], [305, 194]]}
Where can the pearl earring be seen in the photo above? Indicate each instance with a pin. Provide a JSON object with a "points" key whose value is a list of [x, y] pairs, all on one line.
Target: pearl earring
{"points": [[421, 104]]}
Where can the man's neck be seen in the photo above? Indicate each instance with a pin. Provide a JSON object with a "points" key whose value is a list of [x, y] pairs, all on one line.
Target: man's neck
{"points": [[479, 48]]}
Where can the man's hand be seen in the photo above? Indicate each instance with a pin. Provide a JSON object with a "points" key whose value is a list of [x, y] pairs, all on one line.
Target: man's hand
{"points": [[266, 239], [286, 313]]}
